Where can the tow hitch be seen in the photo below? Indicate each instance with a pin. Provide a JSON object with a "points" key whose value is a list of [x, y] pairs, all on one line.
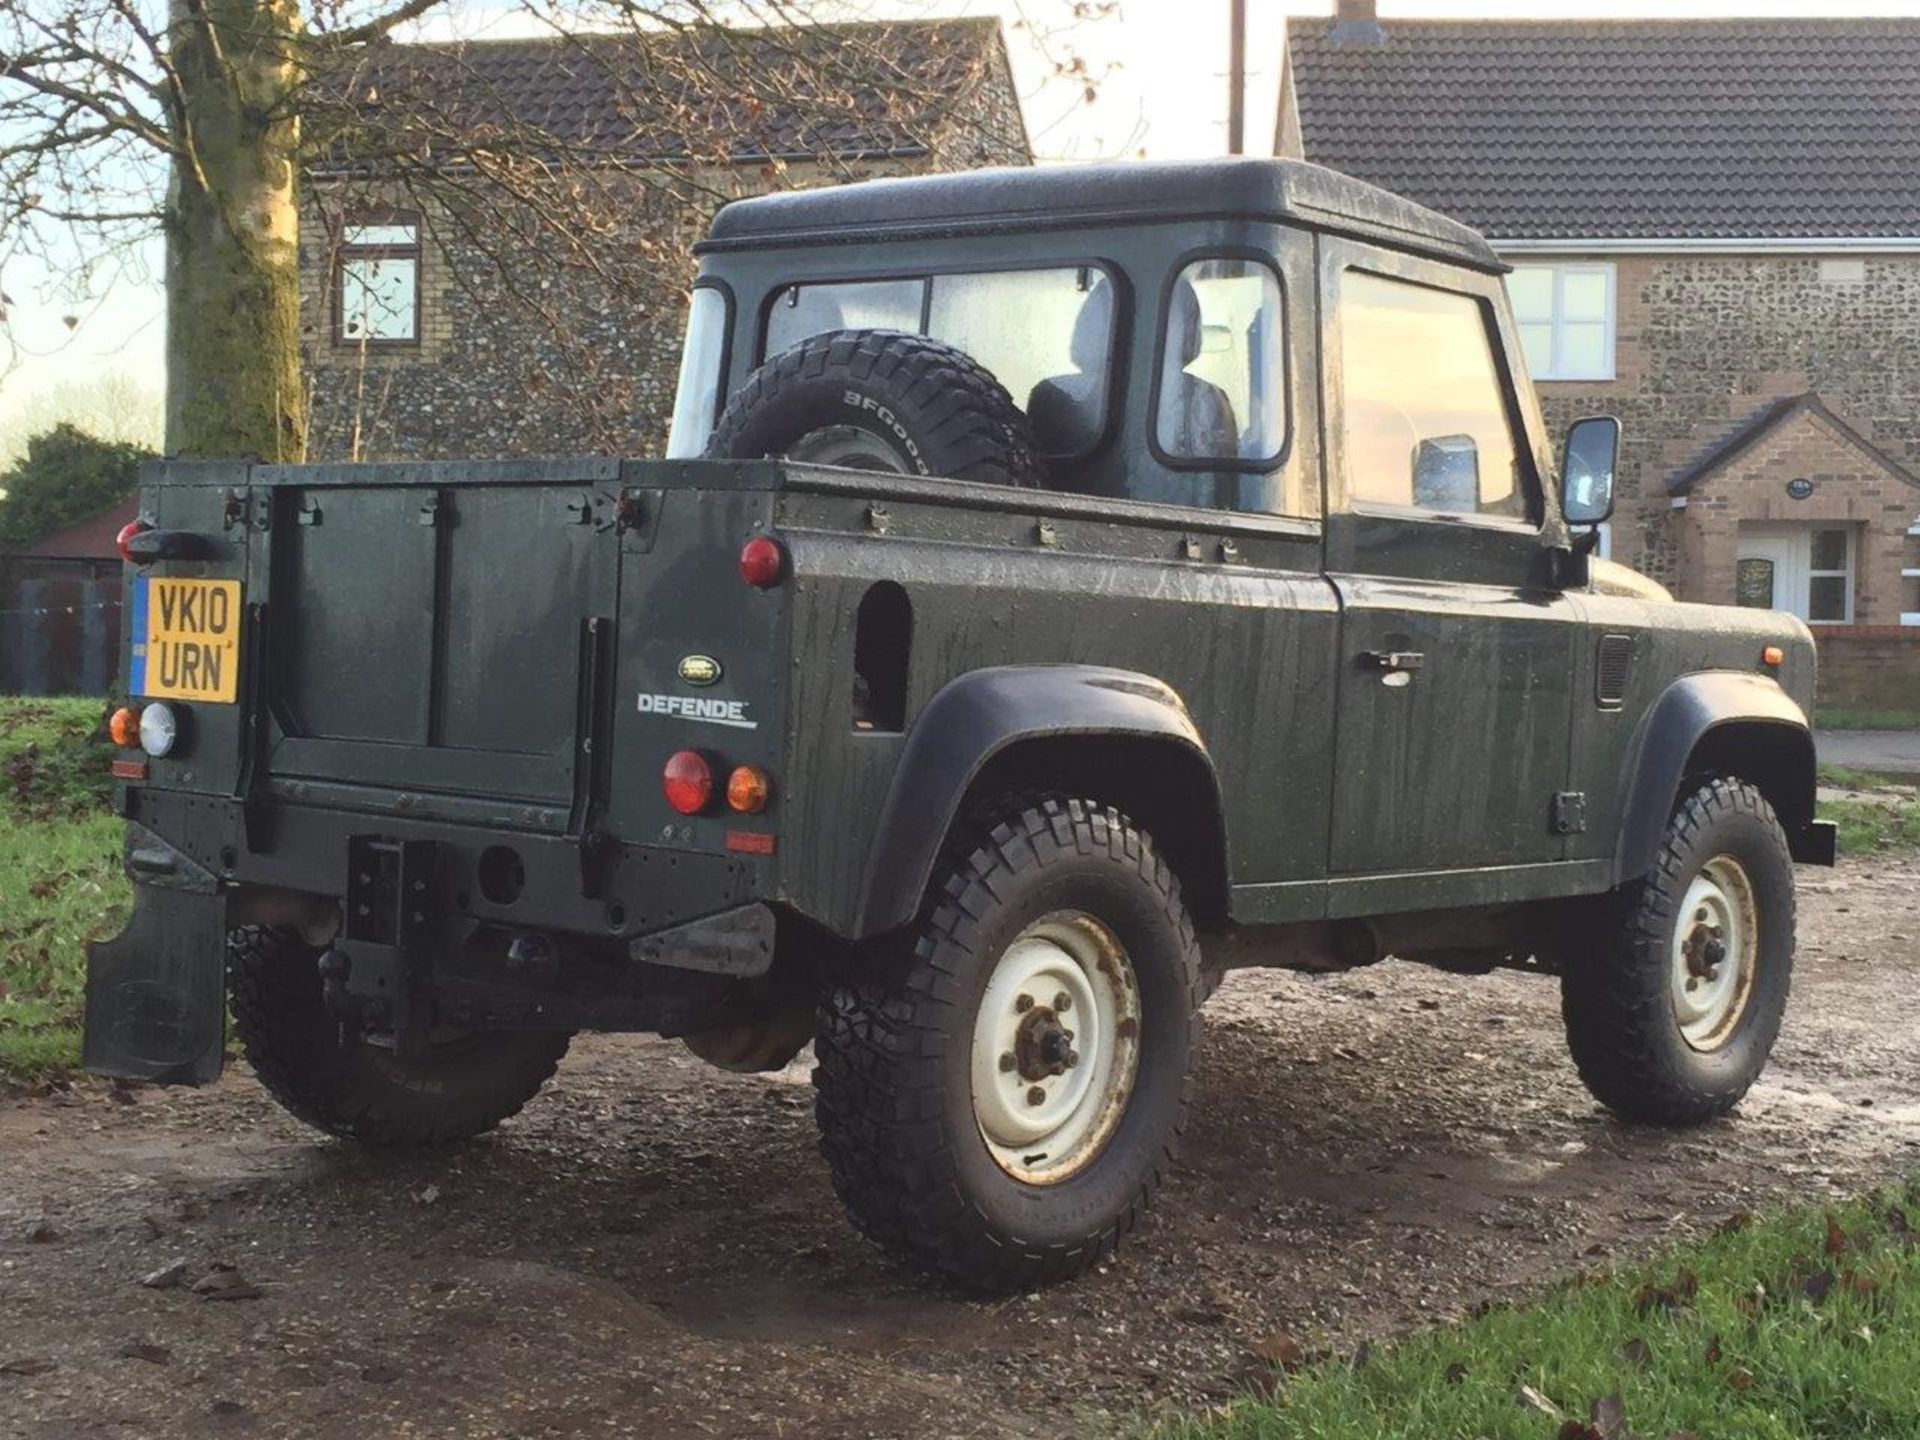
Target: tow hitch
{"points": [[378, 976]]}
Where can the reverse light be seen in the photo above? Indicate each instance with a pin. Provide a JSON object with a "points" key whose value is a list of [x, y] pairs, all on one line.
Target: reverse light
{"points": [[763, 561], [1773, 657], [124, 728], [159, 730], [123, 542], [748, 789], [687, 781]]}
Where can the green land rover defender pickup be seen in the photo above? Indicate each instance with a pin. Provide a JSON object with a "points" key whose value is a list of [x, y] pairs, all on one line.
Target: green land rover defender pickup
{"points": [[1064, 585]]}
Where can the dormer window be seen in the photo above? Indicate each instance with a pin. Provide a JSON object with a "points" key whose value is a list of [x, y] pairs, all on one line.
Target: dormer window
{"points": [[377, 281]]}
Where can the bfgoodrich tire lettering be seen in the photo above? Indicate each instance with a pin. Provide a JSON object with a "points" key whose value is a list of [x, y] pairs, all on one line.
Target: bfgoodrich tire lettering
{"points": [[903, 402], [1624, 1024], [359, 1091], [894, 1099]]}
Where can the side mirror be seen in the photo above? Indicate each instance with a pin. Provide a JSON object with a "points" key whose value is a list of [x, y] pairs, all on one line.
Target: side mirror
{"points": [[1586, 469]]}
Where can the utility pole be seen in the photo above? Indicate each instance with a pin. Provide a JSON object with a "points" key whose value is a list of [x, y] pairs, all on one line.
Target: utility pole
{"points": [[1237, 78]]}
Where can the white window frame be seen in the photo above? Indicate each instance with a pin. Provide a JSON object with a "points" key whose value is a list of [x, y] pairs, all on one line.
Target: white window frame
{"points": [[1556, 369], [1848, 574]]}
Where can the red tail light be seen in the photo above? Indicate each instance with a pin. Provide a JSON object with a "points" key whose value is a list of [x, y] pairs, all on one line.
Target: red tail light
{"points": [[687, 782], [123, 540], [762, 562]]}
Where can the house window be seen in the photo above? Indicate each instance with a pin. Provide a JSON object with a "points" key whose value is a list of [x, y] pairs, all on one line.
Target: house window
{"points": [[376, 298], [1565, 316], [1830, 578]]}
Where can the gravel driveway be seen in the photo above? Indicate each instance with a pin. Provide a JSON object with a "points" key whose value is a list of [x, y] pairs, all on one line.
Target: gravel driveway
{"points": [[653, 1250]]}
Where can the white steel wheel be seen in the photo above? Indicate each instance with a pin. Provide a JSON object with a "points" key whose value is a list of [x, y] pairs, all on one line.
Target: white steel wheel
{"points": [[1714, 953], [1056, 1048]]}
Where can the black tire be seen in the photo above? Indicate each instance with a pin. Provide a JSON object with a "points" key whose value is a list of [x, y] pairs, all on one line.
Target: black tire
{"points": [[1623, 1022], [360, 1091], [894, 1098], [933, 408]]}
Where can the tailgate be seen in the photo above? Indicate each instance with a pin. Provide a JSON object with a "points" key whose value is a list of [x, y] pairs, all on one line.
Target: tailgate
{"points": [[431, 629]]}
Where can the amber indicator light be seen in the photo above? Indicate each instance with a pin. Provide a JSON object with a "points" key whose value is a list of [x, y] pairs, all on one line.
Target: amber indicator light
{"points": [[748, 790], [1773, 656], [124, 728]]}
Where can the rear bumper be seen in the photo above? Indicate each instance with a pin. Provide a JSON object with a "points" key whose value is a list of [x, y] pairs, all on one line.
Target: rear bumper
{"points": [[610, 892]]}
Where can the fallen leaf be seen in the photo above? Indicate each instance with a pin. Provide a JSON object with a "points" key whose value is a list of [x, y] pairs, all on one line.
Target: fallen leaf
{"points": [[225, 1283], [428, 1196], [1281, 1351], [1637, 1352], [43, 1234], [1861, 1287], [1836, 1245], [1609, 1416], [1900, 1227], [1528, 1398], [167, 1276], [141, 1350], [1819, 1286], [1741, 1380], [1713, 1351], [1362, 1357], [1578, 1430], [1457, 1372], [1735, 1223], [27, 1365], [379, 1375]]}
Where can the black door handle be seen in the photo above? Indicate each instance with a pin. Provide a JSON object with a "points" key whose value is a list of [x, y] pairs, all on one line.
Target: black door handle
{"points": [[1393, 659]]}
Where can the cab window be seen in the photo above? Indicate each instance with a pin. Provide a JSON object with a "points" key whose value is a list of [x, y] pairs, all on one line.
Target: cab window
{"points": [[1046, 334], [1222, 384], [1424, 416]]}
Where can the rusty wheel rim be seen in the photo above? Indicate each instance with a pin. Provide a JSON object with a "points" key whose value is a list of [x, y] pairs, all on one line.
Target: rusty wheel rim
{"points": [[1056, 1048]]}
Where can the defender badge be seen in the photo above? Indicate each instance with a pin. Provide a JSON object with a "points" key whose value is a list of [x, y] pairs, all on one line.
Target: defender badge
{"points": [[699, 669]]}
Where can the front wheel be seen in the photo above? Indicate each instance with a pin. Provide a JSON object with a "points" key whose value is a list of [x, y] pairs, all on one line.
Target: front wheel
{"points": [[1673, 1011], [1000, 1111]]}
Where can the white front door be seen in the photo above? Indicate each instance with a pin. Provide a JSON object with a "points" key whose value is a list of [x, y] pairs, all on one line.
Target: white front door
{"points": [[1772, 570], [1805, 569]]}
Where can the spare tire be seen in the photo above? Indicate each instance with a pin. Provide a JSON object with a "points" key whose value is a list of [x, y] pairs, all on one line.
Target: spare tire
{"points": [[880, 400]]}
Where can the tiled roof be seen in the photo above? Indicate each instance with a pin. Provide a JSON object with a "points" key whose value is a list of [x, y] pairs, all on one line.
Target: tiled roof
{"points": [[91, 539], [738, 96], [1644, 129], [1730, 442]]}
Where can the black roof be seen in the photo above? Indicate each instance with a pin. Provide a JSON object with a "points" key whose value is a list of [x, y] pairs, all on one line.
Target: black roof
{"points": [[1054, 195], [858, 90], [1642, 129]]}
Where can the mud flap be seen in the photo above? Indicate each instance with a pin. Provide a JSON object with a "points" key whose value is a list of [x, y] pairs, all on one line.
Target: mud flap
{"points": [[156, 992]]}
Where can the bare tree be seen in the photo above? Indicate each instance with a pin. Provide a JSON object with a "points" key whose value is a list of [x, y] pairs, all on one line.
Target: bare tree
{"points": [[116, 118]]}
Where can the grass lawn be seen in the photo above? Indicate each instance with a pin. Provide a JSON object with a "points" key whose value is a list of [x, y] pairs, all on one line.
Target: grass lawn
{"points": [[60, 878], [1804, 1325], [1874, 815], [1866, 720]]}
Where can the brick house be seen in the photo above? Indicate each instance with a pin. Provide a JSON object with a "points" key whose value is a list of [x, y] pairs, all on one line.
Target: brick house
{"points": [[435, 327], [1715, 234]]}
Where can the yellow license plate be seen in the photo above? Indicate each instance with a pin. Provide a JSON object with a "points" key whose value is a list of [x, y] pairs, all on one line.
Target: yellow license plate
{"points": [[186, 640]]}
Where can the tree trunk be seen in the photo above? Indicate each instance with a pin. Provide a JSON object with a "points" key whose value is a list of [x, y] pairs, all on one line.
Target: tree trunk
{"points": [[234, 387]]}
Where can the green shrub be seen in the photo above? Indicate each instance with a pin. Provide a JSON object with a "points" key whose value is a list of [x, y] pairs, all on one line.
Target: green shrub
{"points": [[65, 477]]}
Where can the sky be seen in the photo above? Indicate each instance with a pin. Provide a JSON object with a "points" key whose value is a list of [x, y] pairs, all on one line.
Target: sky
{"points": [[1162, 93]]}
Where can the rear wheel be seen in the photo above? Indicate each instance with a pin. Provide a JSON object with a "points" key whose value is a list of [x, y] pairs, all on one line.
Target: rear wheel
{"points": [[1673, 1011], [880, 400], [1000, 1111], [465, 1085]]}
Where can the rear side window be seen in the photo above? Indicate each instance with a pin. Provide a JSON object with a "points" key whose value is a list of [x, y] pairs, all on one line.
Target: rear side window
{"points": [[1047, 334], [1222, 391], [696, 400], [1424, 416]]}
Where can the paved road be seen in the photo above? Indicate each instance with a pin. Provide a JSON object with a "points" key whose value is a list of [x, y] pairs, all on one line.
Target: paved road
{"points": [[1887, 752]]}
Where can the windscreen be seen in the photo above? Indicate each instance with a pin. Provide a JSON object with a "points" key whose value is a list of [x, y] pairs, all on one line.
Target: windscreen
{"points": [[1046, 334]]}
